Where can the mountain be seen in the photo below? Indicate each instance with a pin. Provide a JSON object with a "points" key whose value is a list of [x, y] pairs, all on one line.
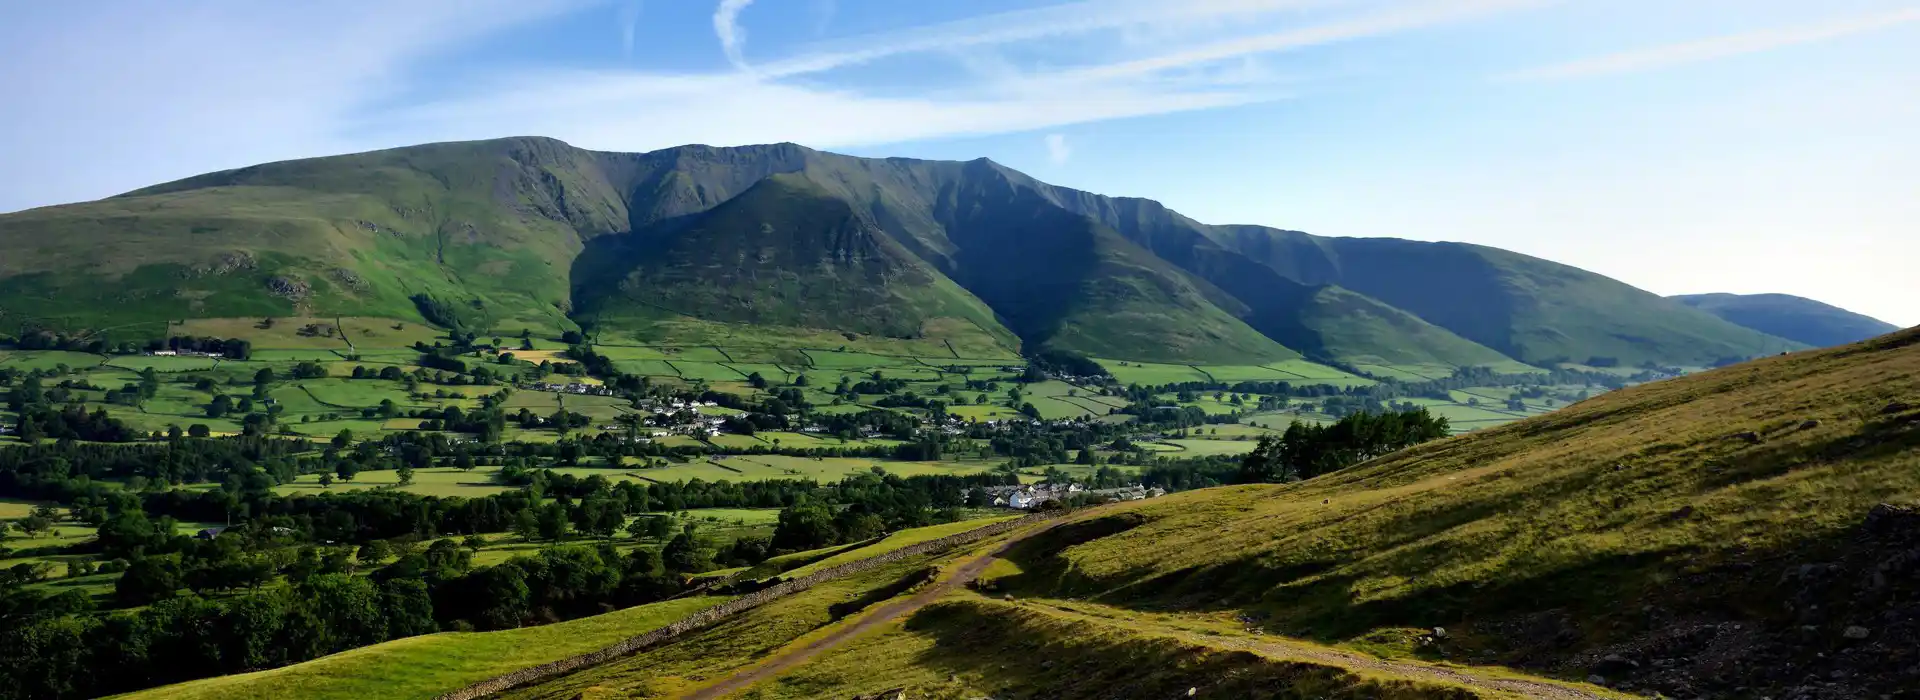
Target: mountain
{"points": [[533, 233], [1798, 319], [783, 253]]}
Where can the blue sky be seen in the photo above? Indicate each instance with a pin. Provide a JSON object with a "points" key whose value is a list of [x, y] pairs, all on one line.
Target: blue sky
{"points": [[1678, 145]]}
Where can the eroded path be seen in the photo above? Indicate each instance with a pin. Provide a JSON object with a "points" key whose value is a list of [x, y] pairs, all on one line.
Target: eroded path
{"points": [[1283, 648], [1495, 683], [867, 621]]}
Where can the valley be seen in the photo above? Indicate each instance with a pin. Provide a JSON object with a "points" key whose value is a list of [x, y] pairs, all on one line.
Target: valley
{"points": [[460, 411]]}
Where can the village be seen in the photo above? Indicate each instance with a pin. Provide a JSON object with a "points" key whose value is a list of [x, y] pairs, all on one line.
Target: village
{"points": [[1035, 496]]}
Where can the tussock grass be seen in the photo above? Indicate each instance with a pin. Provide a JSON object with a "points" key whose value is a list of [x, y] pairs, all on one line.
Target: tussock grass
{"points": [[425, 666], [1605, 501]]}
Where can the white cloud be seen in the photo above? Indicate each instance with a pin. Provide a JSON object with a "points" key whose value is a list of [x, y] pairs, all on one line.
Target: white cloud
{"points": [[628, 112], [629, 23], [1717, 47], [143, 94], [104, 99], [1057, 149], [726, 26], [1054, 21]]}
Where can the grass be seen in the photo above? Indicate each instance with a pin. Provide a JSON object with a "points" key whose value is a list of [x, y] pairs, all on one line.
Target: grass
{"points": [[1211, 448], [969, 647], [706, 656], [434, 481], [162, 363], [1591, 510], [903, 538], [426, 666], [11, 508], [24, 360]]}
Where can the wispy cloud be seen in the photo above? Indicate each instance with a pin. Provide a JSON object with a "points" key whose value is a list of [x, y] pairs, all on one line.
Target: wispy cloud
{"points": [[726, 26], [158, 96], [1057, 149], [629, 23], [1717, 48], [1069, 19]]}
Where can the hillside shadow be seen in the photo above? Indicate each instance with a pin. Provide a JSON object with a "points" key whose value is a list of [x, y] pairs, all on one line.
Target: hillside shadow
{"points": [[1680, 619], [1023, 654]]}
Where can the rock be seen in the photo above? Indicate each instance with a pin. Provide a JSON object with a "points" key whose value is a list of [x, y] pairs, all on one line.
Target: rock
{"points": [[1614, 665], [1752, 438], [1856, 632], [1597, 679], [1897, 407], [1439, 633], [1809, 425], [288, 288]]}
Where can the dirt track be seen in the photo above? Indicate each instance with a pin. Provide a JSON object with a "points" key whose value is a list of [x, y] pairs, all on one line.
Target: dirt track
{"points": [[886, 613], [1277, 648]]}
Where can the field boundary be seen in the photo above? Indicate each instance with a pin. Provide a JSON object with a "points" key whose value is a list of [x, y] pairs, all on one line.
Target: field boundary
{"points": [[730, 608]]}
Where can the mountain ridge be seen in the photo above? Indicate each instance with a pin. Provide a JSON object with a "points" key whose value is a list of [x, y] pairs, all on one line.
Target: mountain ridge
{"points": [[1796, 318], [513, 228]]}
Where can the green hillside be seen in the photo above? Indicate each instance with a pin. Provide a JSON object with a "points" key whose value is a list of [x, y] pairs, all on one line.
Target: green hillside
{"points": [[533, 233], [783, 253], [1621, 525], [1798, 319]]}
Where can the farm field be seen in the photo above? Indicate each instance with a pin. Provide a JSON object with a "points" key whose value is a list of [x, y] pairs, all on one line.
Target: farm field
{"points": [[47, 359], [433, 481], [1211, 448], [1290, 371]]}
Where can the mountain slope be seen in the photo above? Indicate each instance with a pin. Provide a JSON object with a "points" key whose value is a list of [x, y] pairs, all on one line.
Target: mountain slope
{"points": [[533, 233], [1065, 281], [1718, 530], [785, 253], [1798, 319]]}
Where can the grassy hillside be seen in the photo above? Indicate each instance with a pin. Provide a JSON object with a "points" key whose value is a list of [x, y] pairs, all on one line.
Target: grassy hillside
{"points": [[426, 666], [1063, 280], [497, 236], [1649, 523], [1798, 319], [1530, 309], [783, 253]]}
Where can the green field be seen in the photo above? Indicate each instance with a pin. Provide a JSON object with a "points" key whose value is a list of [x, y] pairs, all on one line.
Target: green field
{"points": [[162, 364], [434, 481], [1210, 448], [426, 666], [47, 359]]}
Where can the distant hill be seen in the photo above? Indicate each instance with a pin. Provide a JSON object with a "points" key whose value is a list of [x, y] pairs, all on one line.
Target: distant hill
{"points": [[531, 233], [1795, 318]]}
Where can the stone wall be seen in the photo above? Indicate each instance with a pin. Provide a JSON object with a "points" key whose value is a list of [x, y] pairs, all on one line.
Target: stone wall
{"points": [[732, 607]]}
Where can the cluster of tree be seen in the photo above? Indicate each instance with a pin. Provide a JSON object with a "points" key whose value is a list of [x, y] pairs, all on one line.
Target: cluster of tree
{"points": [[1306, 450], [230, 348]]}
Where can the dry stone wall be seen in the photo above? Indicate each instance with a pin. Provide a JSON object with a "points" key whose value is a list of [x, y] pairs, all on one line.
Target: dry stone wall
{"points": [[736, 606]]}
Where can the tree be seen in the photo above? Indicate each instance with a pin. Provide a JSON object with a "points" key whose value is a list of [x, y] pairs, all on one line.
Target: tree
{"points": [[326, 480], [553, 522], [406, 474], [220, 406], [685, 554], [375, 552], [343, 439], [474, 542], [346, 468], [526, 524]]}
